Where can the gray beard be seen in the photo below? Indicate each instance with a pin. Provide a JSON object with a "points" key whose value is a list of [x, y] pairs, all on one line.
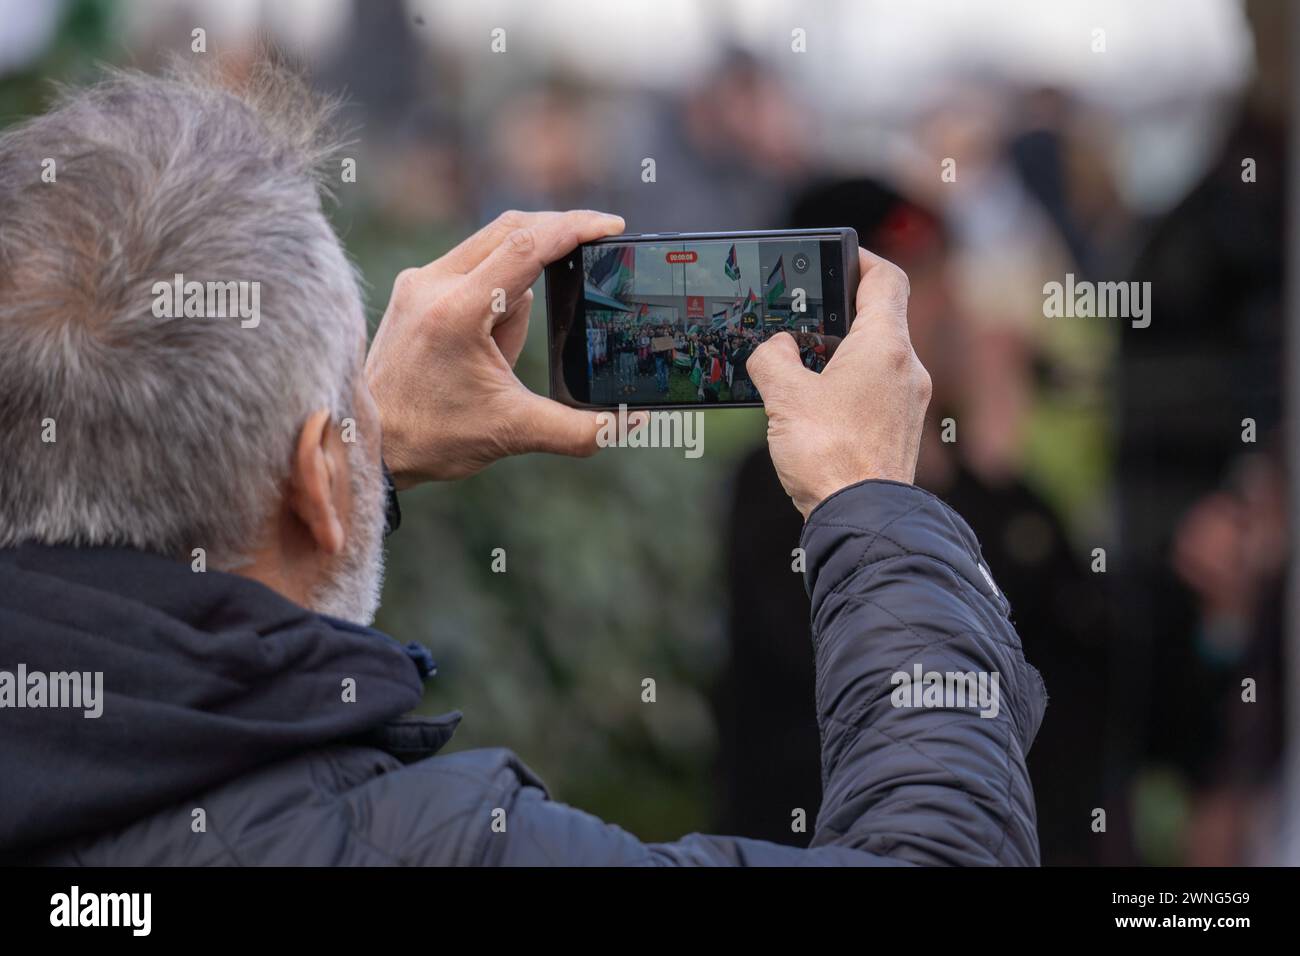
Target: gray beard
{"points": [[352, 585]]}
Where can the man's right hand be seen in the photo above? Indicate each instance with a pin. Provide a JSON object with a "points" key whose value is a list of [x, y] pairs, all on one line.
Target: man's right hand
{"points": [[441, 367], [861, 416]]}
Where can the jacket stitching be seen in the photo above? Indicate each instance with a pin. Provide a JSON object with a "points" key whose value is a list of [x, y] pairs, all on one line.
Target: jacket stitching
{"points": [[956, 779]]}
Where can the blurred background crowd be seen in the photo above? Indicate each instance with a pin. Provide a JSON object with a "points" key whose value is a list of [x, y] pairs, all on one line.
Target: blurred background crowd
{"points": [[1142, 543]]}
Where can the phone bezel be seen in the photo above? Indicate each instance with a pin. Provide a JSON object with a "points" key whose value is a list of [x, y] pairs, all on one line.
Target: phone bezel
{"points": [[564, 303]]}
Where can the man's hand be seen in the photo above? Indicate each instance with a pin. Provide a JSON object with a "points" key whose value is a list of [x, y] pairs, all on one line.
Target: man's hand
{"points": [[861, 417], [441, 367]]}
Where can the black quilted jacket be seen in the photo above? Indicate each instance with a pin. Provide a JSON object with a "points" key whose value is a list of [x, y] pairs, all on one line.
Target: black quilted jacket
{"points": [[225, 737]]}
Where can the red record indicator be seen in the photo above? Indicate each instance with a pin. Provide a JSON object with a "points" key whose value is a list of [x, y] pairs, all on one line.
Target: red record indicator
{"points": [[681, 258]]}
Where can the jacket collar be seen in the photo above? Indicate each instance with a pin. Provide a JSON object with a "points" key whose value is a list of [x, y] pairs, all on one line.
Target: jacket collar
{"points": [[414, 738]]}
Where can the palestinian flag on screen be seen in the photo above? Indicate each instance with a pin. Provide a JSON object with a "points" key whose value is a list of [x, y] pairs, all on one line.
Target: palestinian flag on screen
{"points": [[613, 272], [776, 282], [751, 300], [603, 268], [626, 270], [734, 312], [719, 318], [732, 267]]}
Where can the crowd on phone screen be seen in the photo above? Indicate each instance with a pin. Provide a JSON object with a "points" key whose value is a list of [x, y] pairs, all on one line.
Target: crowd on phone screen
{"points": [[714, 361]]}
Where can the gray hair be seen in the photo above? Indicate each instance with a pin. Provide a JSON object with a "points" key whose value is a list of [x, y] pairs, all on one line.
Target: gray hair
{"points": [[169, 433]]}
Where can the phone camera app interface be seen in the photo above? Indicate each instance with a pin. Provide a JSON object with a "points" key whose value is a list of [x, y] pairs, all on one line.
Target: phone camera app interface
{"points": [[675, 322]]}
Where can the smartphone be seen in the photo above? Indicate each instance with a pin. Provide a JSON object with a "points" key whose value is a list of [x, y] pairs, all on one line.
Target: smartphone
{"points": [[666, 320]]}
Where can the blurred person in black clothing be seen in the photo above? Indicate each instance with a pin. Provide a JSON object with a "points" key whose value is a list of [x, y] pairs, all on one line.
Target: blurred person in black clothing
{"points": [[1232, 550], [1211, 358], [765, 698]]}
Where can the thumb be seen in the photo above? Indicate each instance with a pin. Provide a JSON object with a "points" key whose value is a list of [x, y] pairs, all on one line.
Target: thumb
{"points": [[775, 364], [558, 429]]}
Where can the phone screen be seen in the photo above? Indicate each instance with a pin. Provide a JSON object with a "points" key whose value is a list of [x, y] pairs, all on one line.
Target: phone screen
{"points": [[672, 322]]}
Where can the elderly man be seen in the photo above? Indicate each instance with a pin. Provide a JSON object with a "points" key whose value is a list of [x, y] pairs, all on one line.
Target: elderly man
{"points": [[193, 443]]}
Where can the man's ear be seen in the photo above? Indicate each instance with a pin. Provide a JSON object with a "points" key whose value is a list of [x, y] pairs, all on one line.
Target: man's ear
{"points": [[318, 482]]}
